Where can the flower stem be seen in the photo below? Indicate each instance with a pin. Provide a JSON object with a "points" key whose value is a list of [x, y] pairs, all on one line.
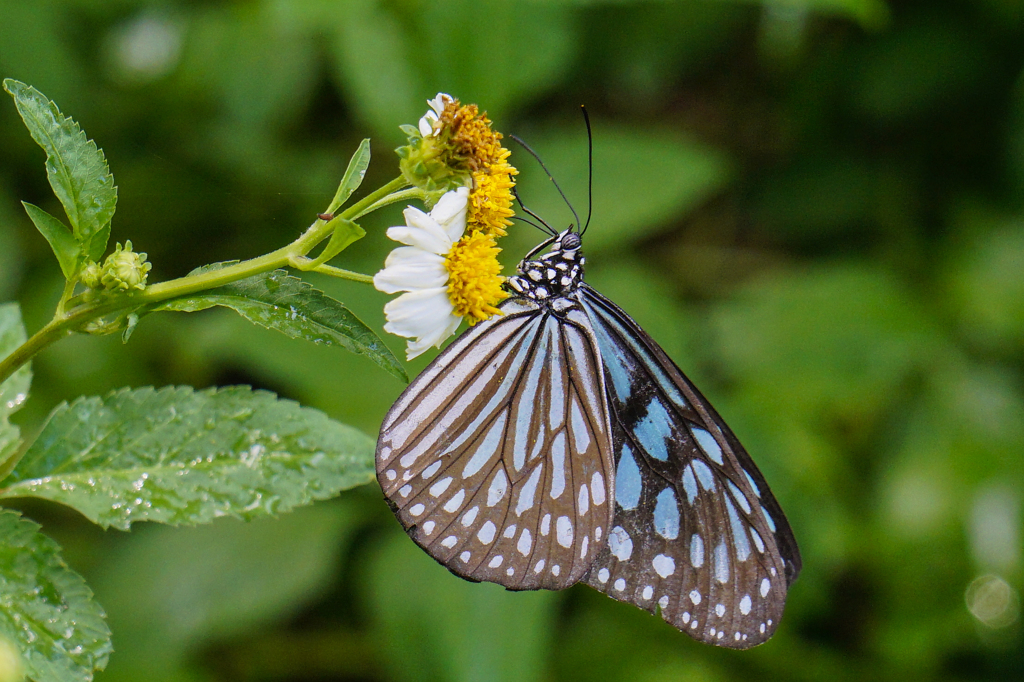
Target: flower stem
{"points": [[68, 321]]}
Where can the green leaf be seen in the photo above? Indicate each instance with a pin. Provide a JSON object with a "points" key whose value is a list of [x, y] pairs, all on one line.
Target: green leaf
{"points": [[47, 608], [180, 456], [97, 244], [63, 243], [75, 166], [353, 176], [14, 391], [345, 232], [276, 300], [183, 457]]}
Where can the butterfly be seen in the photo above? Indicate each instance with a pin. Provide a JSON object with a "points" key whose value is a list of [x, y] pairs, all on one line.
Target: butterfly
{"points": [[557, 443]]}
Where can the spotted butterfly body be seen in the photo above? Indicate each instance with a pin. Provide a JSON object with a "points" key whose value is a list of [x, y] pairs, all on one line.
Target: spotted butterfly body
{"points": [[558, 443]]}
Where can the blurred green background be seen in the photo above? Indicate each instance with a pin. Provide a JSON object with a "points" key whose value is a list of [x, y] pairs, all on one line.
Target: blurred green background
{"points": [[816, 206]]}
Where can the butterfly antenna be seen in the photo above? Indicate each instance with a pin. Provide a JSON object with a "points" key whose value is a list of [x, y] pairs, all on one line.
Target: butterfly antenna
{"points": [[550, 177], [550, 230], [529, 222], [590, 168]]}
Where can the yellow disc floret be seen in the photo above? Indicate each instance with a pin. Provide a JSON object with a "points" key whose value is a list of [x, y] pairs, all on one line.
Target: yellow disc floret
{"points": [[490, 200], [474, 279], [473, 144]]}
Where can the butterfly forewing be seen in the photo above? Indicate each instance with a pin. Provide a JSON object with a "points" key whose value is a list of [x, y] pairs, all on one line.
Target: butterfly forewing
{"points": [[696, 534], [498, 458]]}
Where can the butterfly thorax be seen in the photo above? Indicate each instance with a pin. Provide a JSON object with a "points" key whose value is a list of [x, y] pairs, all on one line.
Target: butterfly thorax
{"points": [[554, 274]]}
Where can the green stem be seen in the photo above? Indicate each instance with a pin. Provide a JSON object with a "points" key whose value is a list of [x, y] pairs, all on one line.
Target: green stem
{"points": [[66, 322], [393, 198]]}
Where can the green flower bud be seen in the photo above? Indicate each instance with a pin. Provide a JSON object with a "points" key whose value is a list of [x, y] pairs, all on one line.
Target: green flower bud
{"points": [[124, 269], [90, 275], [425, 163]]}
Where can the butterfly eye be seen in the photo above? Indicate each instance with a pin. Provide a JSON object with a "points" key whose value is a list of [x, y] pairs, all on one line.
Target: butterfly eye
{"points": [[571, 242]]}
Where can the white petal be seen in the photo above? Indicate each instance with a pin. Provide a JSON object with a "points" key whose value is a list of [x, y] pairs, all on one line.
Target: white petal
{"points": [[422, 313], [439, 102], [450, 213], [419, 346], [409, 269], [427, 122], [421, 231]]}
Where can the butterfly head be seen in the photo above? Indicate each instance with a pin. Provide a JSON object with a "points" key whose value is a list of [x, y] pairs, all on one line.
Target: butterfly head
{"points": [[555, 273]]}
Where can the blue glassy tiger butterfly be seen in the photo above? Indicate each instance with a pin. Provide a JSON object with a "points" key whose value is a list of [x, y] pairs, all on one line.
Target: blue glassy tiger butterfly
{"points": [[557, 443]]}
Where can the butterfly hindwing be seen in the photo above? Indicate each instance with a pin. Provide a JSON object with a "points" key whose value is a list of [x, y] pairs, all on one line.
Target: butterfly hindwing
{"points": [[697, 533], [497, 459]]}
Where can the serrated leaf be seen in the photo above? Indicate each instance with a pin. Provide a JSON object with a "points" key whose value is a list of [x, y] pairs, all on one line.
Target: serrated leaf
{"points": [[14, 391], [63, 243], [353, 177], [345, 233], [75, 166], [97, 244], [180, 456], [47, 608], [277, 300]]}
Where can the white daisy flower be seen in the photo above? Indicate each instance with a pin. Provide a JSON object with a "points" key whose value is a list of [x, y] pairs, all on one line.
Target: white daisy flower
{"points": [[425, 312], [430, 119]]}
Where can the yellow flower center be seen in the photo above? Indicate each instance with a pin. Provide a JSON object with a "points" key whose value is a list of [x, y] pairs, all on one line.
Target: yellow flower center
{"points": [[474, 277], [490, 200], [473, 144]]}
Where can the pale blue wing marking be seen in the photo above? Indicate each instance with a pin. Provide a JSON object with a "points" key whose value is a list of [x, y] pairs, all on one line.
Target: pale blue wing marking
{"points": [[654, 429], [627, 480]]}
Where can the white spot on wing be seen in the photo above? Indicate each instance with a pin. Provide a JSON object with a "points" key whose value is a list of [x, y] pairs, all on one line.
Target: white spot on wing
{"points": [[620, 584], [469, 517], [584, 500], [558, 465], [526, 494], [452, 505], [695, 597], [603, 575], [563, 531], [597, 488], [440, 486], [648, 592], [488, 448], [495, 561], [525, 542], [498, 488], [580, 433], [431, 470], [449, 541], [722, 563], [486, 533], [745, 604], [620, 544], [765, 586], [664, 565], [428, 527], [417, 509], [696, 551], [545, 525]]}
